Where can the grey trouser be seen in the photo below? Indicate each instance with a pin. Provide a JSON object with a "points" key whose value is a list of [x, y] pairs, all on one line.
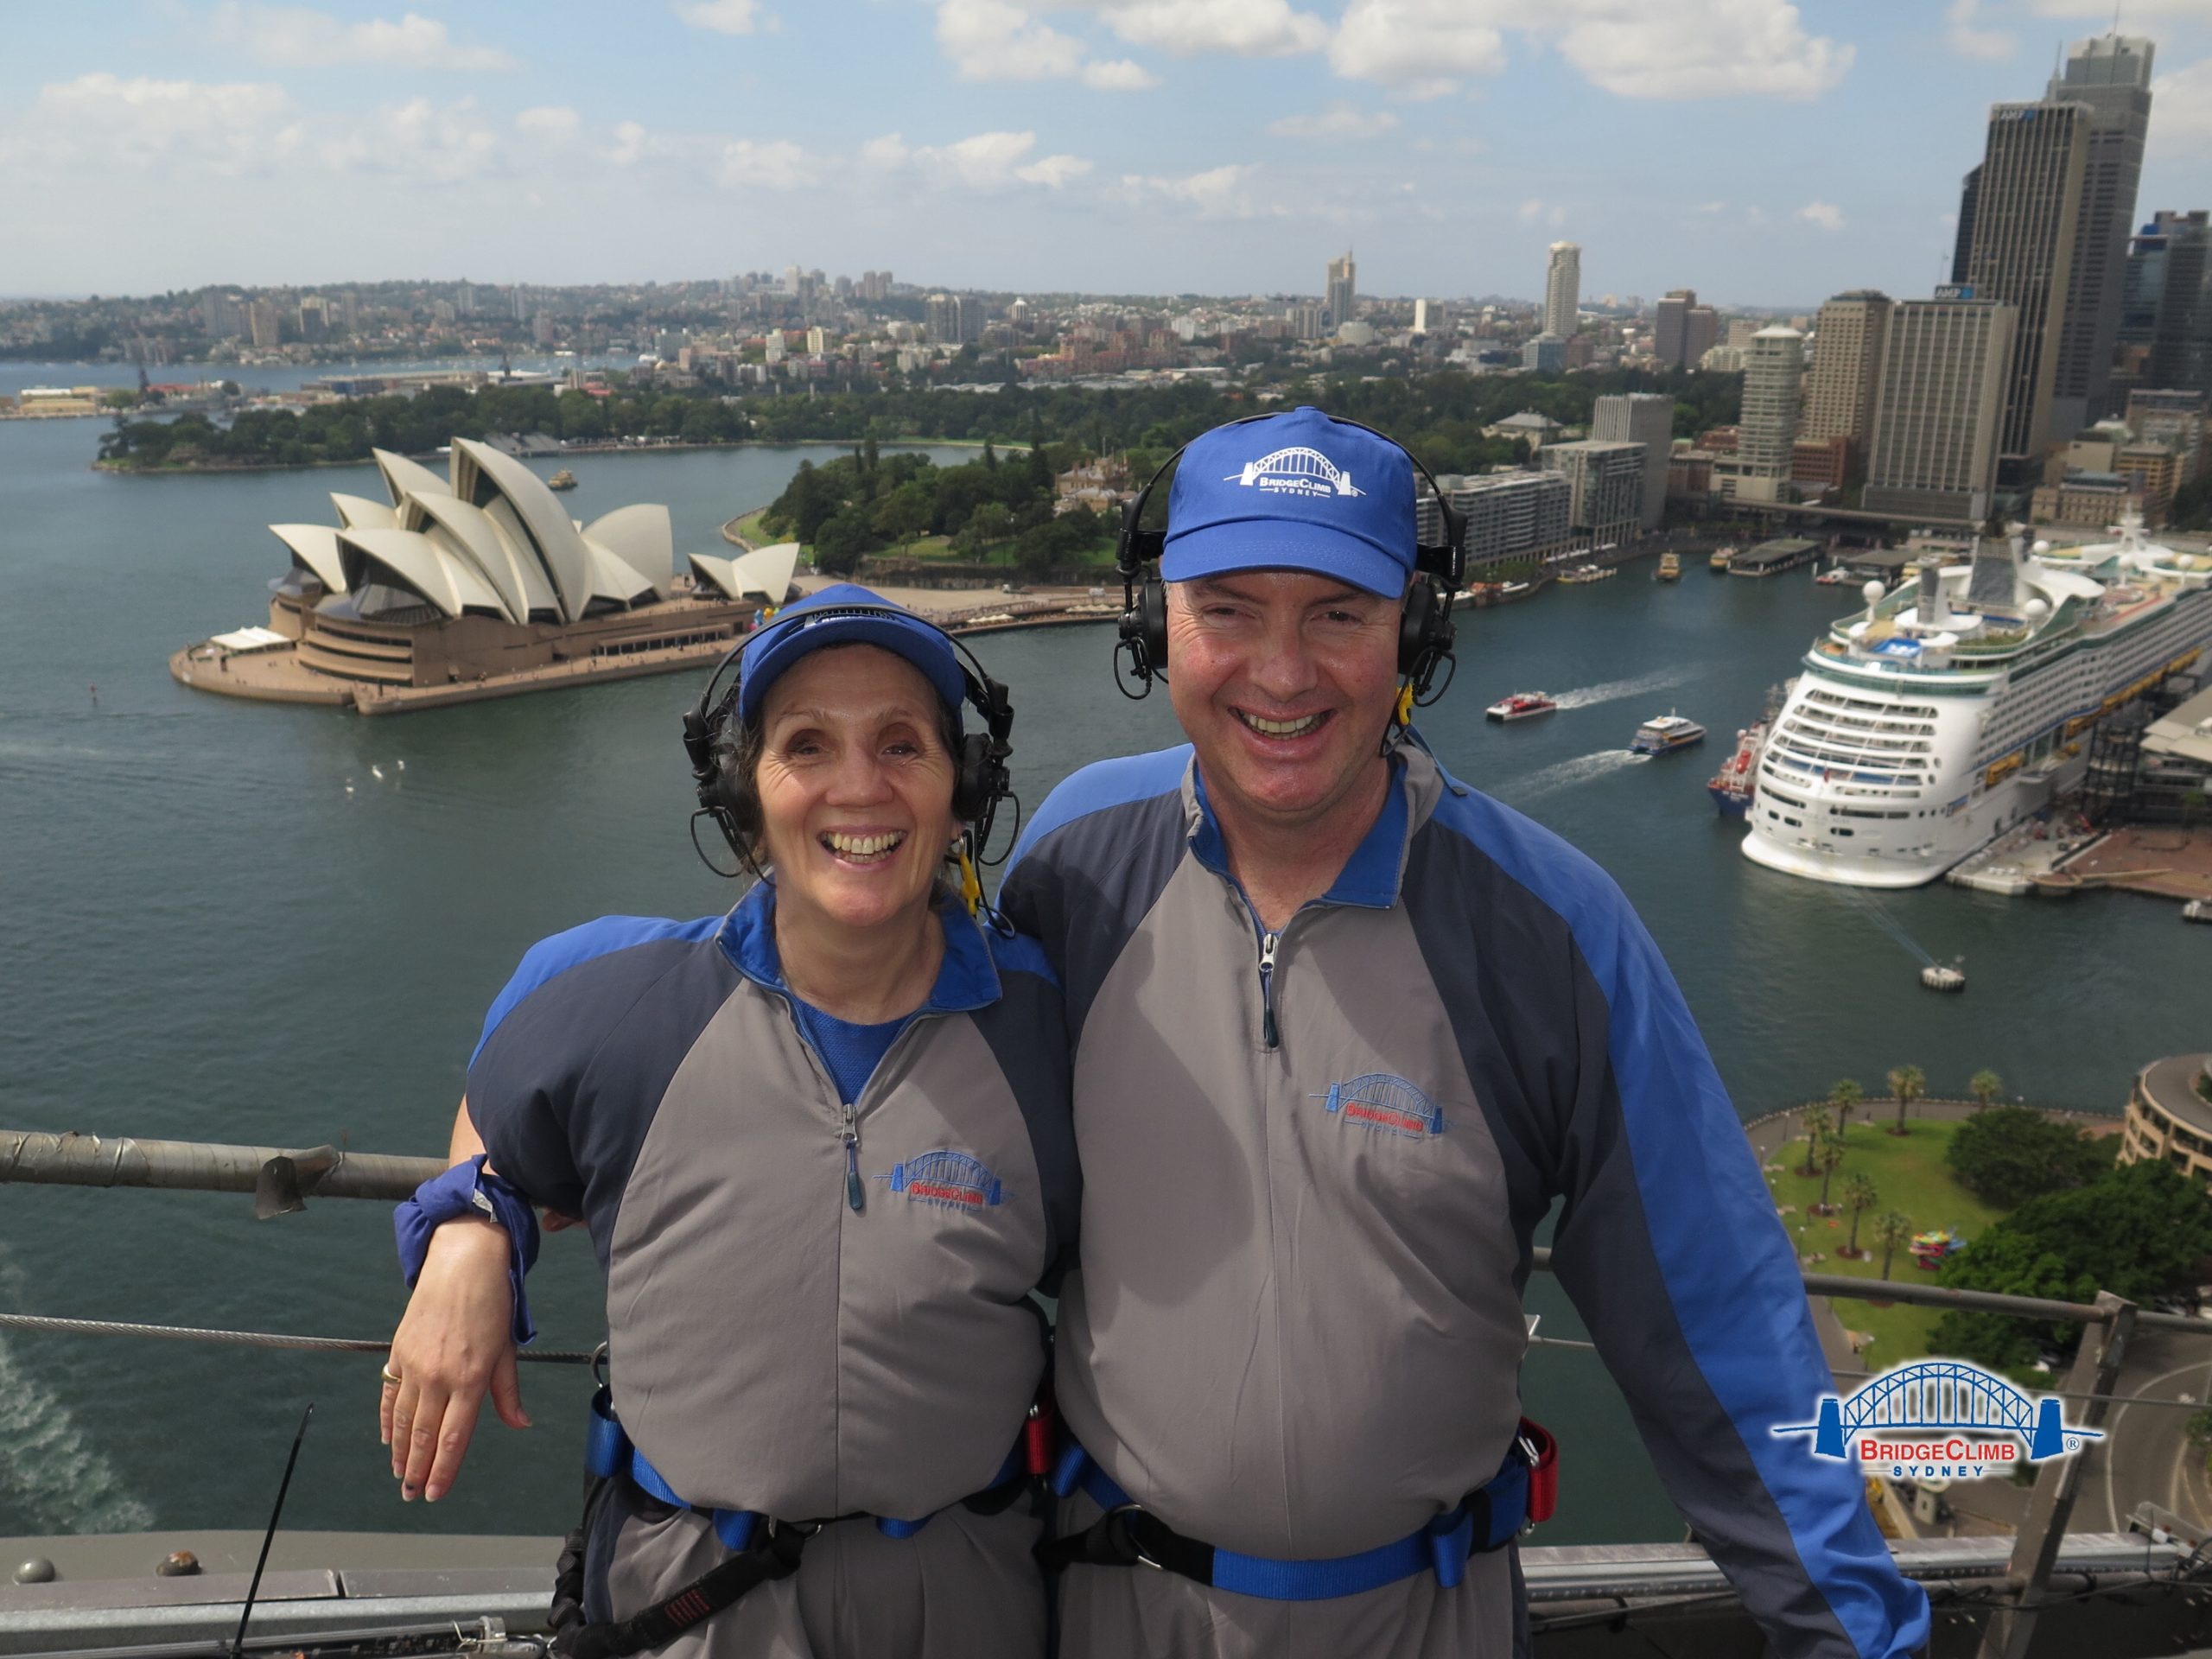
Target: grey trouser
{"points": [[966, 1586], [1135, 1612]]}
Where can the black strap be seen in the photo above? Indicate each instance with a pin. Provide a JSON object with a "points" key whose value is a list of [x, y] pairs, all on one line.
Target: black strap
{"points": [[1130, 1538], [774, 1553]]}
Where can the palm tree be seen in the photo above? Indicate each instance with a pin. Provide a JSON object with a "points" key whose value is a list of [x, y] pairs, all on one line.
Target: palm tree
{"points": [[1844, 1094], [1907, 1083], [1858, 1195], [1984, 1086], [1891, 1230], [1819, 1122], [1826, 1158]]}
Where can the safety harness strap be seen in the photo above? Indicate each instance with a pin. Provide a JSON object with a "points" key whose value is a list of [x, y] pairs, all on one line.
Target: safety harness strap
{"points": [[773, 1554]]}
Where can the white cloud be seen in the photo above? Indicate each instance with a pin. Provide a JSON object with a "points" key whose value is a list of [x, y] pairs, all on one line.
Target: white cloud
{"points": [[1535, 211], [1421, 46], [1826, 214], [780, 165], [1244, 29], [1119, 75], [1710, 207], [986, 161], [990, 40], [1971, 43], [298, 37], [722, 16], [2136, 10], [549, 121], [1218, 193], [421, 143], [2181, 103], [1339, 122], [229, 127], [1633, 48]]}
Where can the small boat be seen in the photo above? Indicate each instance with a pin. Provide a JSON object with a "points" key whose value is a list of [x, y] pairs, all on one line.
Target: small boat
{"points": [[1834, 577], [1737, 780], [2197, 910], [1721, 558], [1515, 589], [1938, 977], [564, 480], [1670, 567], [1521, 705], [1665, 734], [1583, 572]]}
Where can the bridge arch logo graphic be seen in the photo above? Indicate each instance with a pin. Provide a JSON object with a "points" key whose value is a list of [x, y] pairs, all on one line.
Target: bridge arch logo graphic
{"points": [[1382, 1100], [951, 1180], [1947, 1417], [1301, 469]]}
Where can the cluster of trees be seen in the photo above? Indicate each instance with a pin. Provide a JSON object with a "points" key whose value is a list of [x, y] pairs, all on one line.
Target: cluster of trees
{"points": [[866, 501], [2137, 1231], [1825, 1124], [2006, 1155], [1439, 416]]}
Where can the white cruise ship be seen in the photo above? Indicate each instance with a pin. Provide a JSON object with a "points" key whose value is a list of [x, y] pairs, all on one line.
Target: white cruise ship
{"points": [[1948, 710]]}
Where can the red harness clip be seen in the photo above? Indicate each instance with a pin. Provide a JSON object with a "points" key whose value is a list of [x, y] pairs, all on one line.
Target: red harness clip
{"points": [[1542, 1451], [1037, 1434]]}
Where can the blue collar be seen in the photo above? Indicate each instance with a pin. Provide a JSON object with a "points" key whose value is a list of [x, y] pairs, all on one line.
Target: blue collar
{"points": [[967, 979], [1371, 876]]}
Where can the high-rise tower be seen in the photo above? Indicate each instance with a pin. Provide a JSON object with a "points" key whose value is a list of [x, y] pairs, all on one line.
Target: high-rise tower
{"points": [[2027, 214], [1939, 398], [1340, 290], [1563, 289], [2112, 75], [1847, 357], [1774, 371]]}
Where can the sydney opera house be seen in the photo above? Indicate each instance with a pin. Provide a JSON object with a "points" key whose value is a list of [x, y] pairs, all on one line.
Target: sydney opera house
{"points": [[479, 584]]}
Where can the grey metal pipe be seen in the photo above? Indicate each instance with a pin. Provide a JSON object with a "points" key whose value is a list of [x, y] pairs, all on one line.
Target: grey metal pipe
{"points": [[279, 1179]]}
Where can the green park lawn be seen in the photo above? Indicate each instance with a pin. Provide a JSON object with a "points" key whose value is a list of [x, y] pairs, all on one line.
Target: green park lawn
{"points": [[1910, 1176], [749, 527]]}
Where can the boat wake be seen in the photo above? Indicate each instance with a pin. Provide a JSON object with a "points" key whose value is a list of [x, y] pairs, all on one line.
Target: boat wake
{"points": [[52, 1479], [1565, 774], [1614, 691]]}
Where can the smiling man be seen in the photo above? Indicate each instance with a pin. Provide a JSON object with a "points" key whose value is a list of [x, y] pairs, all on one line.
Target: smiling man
{"points": [[1344, 1031]]}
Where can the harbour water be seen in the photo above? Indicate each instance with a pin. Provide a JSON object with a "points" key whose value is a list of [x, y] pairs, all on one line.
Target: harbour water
{"points": [[206, 936]]}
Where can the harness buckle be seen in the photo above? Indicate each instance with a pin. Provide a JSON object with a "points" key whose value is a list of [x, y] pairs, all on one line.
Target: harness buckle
{"points": [[1125, 1531]]}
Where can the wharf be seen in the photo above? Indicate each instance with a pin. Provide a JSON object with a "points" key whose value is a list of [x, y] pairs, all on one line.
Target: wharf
{"points": [[2018, 862], [2165, 860]]}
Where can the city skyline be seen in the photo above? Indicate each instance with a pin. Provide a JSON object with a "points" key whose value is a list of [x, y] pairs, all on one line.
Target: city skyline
{"points": [[1224, 148]]}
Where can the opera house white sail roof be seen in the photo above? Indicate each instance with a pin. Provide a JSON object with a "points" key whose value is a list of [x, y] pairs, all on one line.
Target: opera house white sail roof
{"points": [[488, 540]]}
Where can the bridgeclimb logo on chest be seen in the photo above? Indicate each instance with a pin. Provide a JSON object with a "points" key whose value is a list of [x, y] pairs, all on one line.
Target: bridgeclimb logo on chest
{"points": [[951, 1180], [1942, 1418], [1298, 470], [1380, 1101]]}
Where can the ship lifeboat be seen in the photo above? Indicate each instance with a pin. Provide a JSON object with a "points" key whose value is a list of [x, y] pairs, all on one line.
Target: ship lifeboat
{"points": [[1938, 977]]}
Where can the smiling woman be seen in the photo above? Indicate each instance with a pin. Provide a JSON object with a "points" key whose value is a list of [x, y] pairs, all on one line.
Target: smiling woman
{"points": [[822, 1146]]}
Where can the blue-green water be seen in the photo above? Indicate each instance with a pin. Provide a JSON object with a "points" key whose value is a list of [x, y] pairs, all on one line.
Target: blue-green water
{"points": [[204, 936]]}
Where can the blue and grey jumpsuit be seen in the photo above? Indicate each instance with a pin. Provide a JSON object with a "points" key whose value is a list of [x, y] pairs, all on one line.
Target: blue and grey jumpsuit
{"points": [[817, 1292], [1314, 1164]]}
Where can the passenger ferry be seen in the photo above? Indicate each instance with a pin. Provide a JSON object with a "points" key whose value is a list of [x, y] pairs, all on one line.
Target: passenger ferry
{"points": [[1665, 734], [1946, 712], [1670, 567], [1521, 705], [1721, 558]]}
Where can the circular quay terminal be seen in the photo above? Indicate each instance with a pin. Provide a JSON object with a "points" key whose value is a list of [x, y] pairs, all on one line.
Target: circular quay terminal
{"points": [[479, 585], [1345, 830]]}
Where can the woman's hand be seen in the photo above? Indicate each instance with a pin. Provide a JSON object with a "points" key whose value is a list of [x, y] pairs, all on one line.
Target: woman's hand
{"points": [[453, 1345]]}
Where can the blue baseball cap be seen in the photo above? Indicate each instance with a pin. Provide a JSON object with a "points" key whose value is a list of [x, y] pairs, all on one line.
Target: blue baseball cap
{"points": [[828, 619], [1294, 491]]}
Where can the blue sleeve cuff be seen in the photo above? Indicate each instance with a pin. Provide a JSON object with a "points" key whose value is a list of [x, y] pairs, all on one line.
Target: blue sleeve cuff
{"points": [[469, 1189]]}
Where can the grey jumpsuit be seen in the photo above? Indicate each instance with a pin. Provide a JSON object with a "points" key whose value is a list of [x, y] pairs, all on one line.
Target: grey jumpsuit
{"points": [[774, 1347], [1314, 1166]]}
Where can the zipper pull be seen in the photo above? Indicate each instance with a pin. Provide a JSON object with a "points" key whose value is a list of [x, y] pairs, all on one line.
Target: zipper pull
{"points": [[855, 1194], [1267, 943]]}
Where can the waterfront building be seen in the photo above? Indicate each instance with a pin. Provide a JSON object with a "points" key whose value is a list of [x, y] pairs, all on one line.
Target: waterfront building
{"points": [[1774, 373], [1963, 702], [2086, 500], [2111, 74], [1818, 464], [2176, 418], [2169, 1116], [1545, 354], [1938, 403], [2027, 215], [1341, 290], [1509, 515], [1646, 419], [1846, 362], [1563, 289], [1605, 490], [479, 583], [2174, 763]]}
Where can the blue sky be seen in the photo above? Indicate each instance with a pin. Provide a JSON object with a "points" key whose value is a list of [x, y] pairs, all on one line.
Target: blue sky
{"points": [[1761, 152]]}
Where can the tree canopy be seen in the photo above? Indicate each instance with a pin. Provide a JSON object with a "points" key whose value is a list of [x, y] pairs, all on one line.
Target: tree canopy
{"points": [[2006, 1155]]}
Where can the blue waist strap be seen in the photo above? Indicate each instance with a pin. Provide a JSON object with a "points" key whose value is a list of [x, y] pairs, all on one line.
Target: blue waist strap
{"points": [[608, 1451], [1489, 1518]]}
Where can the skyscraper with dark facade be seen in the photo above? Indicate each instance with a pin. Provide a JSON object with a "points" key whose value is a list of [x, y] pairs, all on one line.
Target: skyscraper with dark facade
{"points": [[1341, 290], [2112, 75]]}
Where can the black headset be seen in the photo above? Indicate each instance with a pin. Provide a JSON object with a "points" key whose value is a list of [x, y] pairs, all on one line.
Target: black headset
{"points": [[1425, 630], [981, 779]]}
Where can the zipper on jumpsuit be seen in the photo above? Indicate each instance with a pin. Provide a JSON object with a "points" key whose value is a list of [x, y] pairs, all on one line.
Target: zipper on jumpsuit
{"points": [[855, 1194], [849, 1111], [1268, 1032]]}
